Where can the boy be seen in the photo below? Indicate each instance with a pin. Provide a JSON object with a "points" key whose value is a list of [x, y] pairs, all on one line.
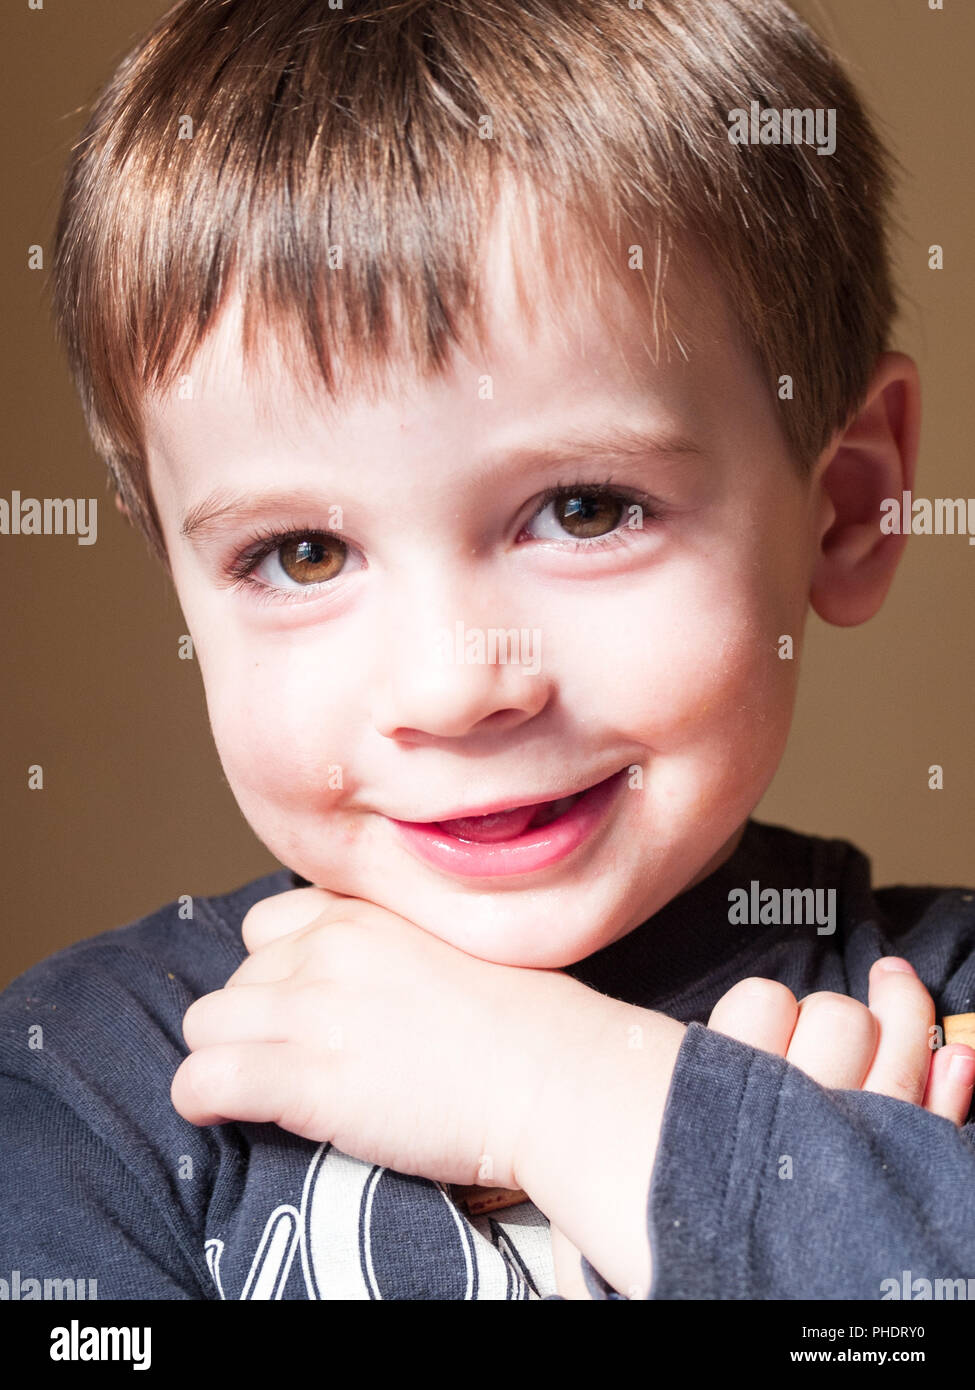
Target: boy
{"points": [[468, 324]]}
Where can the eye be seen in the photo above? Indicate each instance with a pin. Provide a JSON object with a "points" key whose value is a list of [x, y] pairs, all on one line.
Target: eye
{"points": [[589, 513], [283, 563], [309, 559], [291, 565]]}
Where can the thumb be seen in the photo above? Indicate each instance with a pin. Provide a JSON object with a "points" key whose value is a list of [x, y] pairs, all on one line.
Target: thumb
{"points": [[285, 913]]}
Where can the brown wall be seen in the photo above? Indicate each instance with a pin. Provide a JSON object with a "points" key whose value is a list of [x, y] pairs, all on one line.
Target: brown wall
{"points": [[135, 810]]}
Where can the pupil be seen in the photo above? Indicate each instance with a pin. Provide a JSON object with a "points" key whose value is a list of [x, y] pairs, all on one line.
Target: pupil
{"points": [[310, 560], [585, 510], [310, 550]]}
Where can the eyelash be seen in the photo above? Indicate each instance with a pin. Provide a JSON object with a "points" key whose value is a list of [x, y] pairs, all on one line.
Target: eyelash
{"points": [[264, 542]]}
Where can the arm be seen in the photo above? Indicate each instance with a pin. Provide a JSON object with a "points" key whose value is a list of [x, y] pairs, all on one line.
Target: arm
{"points": [[588, 1162], [72, 1210], [714, 1082], [781, 1188]]}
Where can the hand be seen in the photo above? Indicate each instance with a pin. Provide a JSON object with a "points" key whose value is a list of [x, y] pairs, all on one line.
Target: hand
{"points": [[840, 1043], [846, 1045], [570, 1281], [350, 1024]]}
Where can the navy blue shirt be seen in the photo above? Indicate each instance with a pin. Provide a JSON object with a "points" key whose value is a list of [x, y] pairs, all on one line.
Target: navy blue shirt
{"points": [[765, 1184]]}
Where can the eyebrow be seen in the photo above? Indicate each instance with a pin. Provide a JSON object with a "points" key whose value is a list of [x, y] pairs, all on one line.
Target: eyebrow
{"points": [[224, 506]]}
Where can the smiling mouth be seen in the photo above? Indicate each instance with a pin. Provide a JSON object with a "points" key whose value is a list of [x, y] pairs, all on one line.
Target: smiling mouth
{"points": [[505, 825], [524, 839]]}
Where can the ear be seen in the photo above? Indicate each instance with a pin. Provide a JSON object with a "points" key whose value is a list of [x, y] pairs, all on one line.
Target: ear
{"points": [[874, 458], [123, 508]]}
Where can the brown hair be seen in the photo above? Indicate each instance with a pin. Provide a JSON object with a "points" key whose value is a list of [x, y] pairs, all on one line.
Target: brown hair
{"points": [[363, 128]]}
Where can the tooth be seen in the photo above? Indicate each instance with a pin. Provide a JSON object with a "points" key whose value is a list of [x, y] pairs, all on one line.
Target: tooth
{"points": [[554, 809]]}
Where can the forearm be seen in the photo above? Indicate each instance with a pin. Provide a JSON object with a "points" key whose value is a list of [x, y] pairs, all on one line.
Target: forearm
{"points": [[770, 1186], [591, 1155]]}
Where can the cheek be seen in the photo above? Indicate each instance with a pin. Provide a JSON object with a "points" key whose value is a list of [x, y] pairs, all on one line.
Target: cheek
{"points": [[698, 662], [281, 735]]}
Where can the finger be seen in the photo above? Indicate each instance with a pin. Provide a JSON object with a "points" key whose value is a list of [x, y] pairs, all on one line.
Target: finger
{"points": [[264, 1083], [250, 1013], [905, 1012], [950, 1082], [761, 1013], [310, 946], [834, 1040], [272, 964], [284, 913]]}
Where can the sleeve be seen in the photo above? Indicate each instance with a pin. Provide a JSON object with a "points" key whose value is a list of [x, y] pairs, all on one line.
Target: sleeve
{"points": [[766, 1185], [72, 1210]]}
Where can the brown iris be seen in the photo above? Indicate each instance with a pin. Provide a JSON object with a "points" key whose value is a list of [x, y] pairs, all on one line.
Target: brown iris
{"points": [[597, 513], [311, 559]]}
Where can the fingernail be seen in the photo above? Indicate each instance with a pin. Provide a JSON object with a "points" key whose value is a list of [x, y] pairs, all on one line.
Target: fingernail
{"points": [[904, 967], [962, 1070]]}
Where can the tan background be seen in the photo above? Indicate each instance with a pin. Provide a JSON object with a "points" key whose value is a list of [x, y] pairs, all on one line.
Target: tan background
{"points": [[135, 809]]}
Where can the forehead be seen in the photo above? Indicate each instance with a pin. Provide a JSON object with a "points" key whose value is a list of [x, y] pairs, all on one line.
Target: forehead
{"points": [[561, 337]]}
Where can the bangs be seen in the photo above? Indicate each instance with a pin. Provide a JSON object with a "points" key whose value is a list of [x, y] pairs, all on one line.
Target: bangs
{"points": [[340, 172], [350, 228]]}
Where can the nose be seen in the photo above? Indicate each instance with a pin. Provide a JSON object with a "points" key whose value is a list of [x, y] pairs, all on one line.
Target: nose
{"points": [[449, 668]]}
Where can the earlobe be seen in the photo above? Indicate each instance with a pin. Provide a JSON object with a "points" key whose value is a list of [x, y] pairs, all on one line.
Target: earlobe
{"points": [[120, 505], [872, 460]]}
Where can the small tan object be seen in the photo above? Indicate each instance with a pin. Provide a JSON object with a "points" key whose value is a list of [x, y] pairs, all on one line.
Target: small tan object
{"points": [[959, 1028], [478, 1200]]}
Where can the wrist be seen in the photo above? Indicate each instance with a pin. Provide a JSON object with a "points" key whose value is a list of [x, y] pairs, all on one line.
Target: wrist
{"points": [[587, 1159], [609, 1078]]}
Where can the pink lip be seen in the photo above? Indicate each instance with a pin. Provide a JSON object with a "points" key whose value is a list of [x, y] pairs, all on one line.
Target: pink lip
{"points": [[507, 803], [526, 853]]}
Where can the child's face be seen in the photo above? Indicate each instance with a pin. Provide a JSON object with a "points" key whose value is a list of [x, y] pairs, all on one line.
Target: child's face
{"points": [[657, 651]]}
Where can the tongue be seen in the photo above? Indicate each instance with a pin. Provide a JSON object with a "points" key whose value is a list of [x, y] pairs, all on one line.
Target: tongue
{"points": [[503, 825]]}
